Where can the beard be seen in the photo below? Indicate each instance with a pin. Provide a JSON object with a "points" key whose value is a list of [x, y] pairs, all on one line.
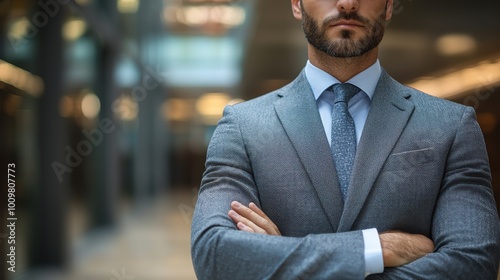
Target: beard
{"points": [[345, 46]]}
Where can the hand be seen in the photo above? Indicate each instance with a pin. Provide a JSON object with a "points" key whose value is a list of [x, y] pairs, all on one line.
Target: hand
{"points": [[252, 219], [400, 248]]}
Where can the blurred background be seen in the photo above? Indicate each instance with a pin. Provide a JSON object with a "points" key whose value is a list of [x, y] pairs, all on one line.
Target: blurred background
{"points": [[107, 107]]}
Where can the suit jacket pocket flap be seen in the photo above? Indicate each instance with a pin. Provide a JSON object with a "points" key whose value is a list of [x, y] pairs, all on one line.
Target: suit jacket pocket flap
{"points": [[409, 159]]}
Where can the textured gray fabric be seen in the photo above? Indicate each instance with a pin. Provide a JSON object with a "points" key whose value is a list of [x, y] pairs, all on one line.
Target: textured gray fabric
{"points": [[343, 133], [420, 167]]}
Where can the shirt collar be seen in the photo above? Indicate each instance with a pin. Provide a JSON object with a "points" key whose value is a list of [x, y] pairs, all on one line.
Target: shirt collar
{"points": [[320, 80]]}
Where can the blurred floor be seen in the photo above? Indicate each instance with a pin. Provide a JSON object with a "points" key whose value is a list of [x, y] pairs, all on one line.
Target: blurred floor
{"points": [[149, 243]]}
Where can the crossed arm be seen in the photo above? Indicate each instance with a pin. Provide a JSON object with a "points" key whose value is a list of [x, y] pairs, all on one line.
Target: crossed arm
{"points": [[398, 248], [465, 225]]}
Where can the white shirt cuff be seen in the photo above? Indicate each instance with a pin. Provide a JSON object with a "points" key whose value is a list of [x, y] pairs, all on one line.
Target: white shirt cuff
{"points": [[374, 261]]}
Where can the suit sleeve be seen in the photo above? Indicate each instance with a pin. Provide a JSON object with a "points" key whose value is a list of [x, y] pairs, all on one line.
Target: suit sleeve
{"points": [[465, 228], [220, 251]]}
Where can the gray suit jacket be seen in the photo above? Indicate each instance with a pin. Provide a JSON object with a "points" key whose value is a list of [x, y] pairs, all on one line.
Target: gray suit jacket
{"points": [[421, 167]]}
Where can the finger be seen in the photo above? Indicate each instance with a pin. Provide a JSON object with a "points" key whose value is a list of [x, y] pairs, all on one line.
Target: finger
{"points": [[241, 226], [257, 218], [253, 217], [245, 224], [258, 211]]}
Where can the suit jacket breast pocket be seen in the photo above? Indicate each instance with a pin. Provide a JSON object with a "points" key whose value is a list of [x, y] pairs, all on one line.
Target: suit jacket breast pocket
{"points": [[410, 159]]}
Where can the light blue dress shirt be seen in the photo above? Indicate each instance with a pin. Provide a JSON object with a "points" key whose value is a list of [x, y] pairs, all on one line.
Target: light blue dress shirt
{"points": [[358, 106]]}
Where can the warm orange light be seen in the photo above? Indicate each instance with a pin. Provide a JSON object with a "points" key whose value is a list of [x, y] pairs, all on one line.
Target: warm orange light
{"points": [[67, 106], [126, 108], [211, 105], [74, 29], [178, 109], [481, 75], [20, 79], [229, 16], [456, 44], [128, 6], [90, 105]]}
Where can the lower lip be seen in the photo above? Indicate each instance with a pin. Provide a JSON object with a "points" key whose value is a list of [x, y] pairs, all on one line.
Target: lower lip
{"points": [[347, 26]]}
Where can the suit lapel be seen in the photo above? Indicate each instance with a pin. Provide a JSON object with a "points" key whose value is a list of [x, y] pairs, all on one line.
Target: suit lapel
{"points": [[388, 116], [298, 113]]}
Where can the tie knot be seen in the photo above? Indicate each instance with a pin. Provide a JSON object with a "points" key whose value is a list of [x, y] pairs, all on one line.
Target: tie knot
{"points": [[344, 92]]}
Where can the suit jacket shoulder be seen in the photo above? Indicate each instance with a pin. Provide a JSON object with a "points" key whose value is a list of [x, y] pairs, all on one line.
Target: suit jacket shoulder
{"points": [[423, 101]]}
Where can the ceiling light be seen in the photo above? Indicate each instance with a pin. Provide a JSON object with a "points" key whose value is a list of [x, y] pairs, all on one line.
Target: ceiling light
{"points": [[127, 6], [21, 79], [74, 29], [227, 15], [178, 109], [19, 28], [199, 15], [481, 75], [196, 15], [456, 44], [90, 105], [211, 105], [126, 108]]}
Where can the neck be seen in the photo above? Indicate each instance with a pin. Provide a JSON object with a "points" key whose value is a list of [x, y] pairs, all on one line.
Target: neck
{"points": [[342, 68]]}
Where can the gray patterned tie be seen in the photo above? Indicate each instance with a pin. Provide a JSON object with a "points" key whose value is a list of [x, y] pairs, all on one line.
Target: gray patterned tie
{"points": [[343, 134]]}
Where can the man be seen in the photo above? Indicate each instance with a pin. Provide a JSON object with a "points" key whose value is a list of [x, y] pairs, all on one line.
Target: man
{"points": [[398, 179]]}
